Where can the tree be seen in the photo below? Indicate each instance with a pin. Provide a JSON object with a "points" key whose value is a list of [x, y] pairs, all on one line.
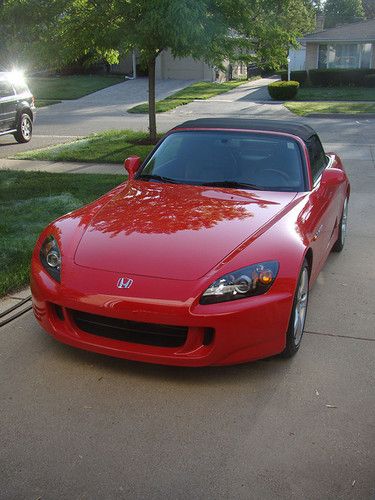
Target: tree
{"points": [[63, 31], [369, 8], [342, 11]]}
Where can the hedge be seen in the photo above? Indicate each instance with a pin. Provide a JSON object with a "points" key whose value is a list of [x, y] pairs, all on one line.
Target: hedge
{"points": [[330, 77], [338, 77], [369, 80], [296, 76], [280, 91]]}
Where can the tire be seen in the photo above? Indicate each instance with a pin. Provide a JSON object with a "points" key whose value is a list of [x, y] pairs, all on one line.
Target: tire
{"points": [[340, 242], [297, 320], [24, 129]]}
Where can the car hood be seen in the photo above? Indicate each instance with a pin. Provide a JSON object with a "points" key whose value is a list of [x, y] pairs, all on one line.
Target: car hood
{"points": [[174, 231]]}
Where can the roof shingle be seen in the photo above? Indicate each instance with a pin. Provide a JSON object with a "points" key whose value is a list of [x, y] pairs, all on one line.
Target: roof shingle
{"points": [[361, 31]]}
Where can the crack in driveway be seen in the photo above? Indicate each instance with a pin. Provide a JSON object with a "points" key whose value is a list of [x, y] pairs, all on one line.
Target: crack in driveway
{"points": [[340, 336]]}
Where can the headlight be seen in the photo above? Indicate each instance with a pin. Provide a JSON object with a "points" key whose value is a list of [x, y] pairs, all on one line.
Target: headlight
{"points": [[50, 257], [246, 282]]}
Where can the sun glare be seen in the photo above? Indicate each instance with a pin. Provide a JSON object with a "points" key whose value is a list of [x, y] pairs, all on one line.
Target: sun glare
{"points": [[16, 76]]}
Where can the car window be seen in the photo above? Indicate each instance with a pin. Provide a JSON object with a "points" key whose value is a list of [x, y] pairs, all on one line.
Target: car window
{"points": [[6, 89], [266, 161], [318, 158], [20, 87]]}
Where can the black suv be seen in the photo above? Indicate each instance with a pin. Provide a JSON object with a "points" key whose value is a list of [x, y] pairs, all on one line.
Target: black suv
{"points": [[17, 108]]}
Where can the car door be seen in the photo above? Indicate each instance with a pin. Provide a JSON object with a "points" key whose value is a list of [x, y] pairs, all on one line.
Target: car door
{"points": [[8, 106], [323, 201]]}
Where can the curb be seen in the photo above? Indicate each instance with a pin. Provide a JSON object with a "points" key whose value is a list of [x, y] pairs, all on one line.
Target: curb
{"points": [[61, 167], [340, 115]]}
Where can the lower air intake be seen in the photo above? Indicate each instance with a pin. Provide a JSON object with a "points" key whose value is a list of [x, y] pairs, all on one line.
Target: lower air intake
{"points": [[130, 331]]}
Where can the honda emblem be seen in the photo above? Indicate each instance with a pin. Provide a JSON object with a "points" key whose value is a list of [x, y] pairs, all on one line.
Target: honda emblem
{"points": [[124, 283]]}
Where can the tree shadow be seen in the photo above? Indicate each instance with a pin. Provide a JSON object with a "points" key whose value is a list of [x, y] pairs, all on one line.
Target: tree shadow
{"points": [[256, 94]]}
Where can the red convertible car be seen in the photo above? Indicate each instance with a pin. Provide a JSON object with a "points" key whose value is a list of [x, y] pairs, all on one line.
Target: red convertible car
{"points": [[205, 255]]}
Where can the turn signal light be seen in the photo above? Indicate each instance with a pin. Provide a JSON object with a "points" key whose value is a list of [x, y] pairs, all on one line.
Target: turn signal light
{"points": [[266, 277]]}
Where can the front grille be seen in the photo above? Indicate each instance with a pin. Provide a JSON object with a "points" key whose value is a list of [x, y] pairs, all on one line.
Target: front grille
{"points": [[130, 331]]}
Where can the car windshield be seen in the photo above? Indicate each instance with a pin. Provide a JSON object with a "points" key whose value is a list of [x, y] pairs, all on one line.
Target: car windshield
{"points": [[229, 159]]}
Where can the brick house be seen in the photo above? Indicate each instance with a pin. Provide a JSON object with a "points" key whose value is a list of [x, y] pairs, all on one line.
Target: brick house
{"points": [[350, 46]]}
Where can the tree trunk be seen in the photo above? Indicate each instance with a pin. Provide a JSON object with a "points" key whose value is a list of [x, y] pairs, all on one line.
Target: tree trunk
{"points": [[151, 100]]}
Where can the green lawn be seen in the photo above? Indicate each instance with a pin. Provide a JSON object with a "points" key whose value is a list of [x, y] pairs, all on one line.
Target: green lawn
{"points": [[335, 94], [200, 90], [56, 88], [112, 146], [29, 201], [305, 108]]}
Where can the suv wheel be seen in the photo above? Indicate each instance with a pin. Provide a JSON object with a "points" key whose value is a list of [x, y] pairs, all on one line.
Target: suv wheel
{"points": [[24, 129]]}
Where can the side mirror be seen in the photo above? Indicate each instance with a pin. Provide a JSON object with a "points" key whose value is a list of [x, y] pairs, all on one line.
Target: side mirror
{"points": [[132, 164], [332, 177]]}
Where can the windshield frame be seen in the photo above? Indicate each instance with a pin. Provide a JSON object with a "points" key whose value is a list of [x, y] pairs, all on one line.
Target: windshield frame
{"points": [[298, 141]]}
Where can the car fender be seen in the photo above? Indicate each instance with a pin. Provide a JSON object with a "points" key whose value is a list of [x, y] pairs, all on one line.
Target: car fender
{"points": [[286, 241], [24, 107]]}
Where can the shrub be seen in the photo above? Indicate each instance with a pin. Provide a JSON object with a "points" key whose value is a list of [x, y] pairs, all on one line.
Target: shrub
{"points": [[280, 91], [338, 77], [369, 80], [296, 76]]}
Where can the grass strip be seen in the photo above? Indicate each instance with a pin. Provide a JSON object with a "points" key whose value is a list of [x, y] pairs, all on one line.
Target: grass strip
{"points": [[352, 108], [112, 146], [29, 201], [200, 90]]}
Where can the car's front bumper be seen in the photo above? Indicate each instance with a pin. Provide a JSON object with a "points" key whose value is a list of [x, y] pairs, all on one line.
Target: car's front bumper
{"points": [[241, 331]]}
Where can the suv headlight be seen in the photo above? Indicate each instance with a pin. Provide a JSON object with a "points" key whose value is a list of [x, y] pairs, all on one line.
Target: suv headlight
{"points": [[50, 257], [246, 282]]}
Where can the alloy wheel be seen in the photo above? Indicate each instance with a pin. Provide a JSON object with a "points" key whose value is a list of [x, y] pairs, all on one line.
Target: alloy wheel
{"points": [[26, 127], [344, 221], [300, 307]]}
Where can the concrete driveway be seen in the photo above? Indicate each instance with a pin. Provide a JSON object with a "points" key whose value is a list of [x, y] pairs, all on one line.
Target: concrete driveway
{"points": [[75, 425]]}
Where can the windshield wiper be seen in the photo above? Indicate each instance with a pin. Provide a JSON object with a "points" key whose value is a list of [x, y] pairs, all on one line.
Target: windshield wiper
{"points": [[153, 177], [228, 184], [233, 184]]}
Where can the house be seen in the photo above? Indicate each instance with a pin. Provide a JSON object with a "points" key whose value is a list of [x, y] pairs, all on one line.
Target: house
{"points": [[182, 68], [350, 46], [185, 68]]}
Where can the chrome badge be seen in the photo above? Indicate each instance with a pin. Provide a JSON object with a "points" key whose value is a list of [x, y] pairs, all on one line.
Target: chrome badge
{"points": [[124, 283]]}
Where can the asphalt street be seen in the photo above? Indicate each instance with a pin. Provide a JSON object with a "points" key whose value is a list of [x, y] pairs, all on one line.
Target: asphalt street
{"points": [[107, 109], [75, 425]]}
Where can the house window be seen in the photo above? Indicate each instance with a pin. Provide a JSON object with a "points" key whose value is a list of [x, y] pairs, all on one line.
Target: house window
{"points": [[345, 55]]}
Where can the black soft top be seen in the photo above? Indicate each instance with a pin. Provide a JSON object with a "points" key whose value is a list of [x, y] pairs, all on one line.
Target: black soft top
{"points": [[298, 129]]}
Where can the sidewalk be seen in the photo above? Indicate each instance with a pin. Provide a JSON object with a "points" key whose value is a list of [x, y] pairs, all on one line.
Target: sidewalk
{"points": [[61, 167]]}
